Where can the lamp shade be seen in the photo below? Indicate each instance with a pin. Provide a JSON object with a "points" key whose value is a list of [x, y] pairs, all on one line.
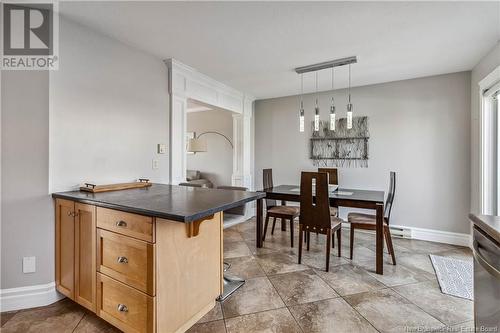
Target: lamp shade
{"points": [[196, 146]]}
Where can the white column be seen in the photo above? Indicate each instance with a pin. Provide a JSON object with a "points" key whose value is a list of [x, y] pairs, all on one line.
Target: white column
{"points": [[178, 128], [242, 137]]}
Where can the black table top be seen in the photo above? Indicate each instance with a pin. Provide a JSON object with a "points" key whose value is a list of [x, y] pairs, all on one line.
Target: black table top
{"points": [[341, 193], [178, 203]]}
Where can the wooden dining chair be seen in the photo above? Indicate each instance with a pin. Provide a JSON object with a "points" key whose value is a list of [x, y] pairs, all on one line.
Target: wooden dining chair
{"points": [[315, 212], [282, 212], [333, 179], [368, 221]]}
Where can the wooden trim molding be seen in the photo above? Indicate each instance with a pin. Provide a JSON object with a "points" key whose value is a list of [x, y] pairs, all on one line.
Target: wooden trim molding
{"points": [[187, 83]]}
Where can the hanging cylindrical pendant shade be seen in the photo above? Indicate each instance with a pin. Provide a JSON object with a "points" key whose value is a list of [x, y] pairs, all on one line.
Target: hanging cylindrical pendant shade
{"points": [[301, 110], [349, 104], [332, 108], [316, 108]]}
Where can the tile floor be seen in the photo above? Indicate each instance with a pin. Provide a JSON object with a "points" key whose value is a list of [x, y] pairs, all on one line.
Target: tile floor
{"points": [[283, 296]]}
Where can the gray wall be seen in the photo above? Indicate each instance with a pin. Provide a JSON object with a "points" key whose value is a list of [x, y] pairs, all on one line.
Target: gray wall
{"points": [[27, 226], [217, 163], [479, 72], [419, 128], [108, 108]]}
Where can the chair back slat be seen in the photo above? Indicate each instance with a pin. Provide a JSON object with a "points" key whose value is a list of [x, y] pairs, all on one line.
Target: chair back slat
{"points": [[332, 175], [314, 207], [390, 196], [267, 182]]}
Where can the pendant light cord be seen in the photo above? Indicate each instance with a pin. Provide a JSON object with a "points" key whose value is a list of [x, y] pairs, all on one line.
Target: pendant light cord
{"points": [[316, 89], [349, 83]]}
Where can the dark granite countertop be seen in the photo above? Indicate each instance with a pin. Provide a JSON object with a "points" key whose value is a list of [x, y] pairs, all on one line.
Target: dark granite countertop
{"points": [[487, 223], [178, 203]]}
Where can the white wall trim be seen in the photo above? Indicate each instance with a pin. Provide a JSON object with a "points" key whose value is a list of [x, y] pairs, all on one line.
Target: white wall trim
{"points": [[187, 83], [28, 297], [439, 236], [487, 82]]}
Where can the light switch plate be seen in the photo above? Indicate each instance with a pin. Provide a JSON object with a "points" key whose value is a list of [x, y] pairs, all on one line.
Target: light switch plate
{"points": [[156, 164], [162, 148], [29, 264]]}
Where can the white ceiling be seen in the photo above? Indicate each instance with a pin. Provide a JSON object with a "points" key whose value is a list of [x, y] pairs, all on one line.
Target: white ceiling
{"points": [[254, 46]]}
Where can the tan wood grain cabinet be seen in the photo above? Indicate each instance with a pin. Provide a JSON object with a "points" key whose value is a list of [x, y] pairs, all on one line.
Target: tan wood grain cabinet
{"points": [[139, 273]]}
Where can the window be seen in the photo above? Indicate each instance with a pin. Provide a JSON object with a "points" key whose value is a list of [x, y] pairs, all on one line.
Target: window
{"points": [[491, 150]]}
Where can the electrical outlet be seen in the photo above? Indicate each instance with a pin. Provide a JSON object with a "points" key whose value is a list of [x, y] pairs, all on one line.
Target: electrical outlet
{"points": [[156, 164], [162, 148], [29, 264]]}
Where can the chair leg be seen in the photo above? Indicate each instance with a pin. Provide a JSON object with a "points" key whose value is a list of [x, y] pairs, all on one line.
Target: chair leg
{"points": [[283, 224], [301, 235], [339, 240], [291, 232], [388, 240], [328, 238], [333, 239], [274, 224], [265, 228], [351, 241], [308, 236]]}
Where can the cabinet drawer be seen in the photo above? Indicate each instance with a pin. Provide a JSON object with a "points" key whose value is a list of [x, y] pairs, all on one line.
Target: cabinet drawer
{"points": [[133, 225], [124, 307], [126, 259]]}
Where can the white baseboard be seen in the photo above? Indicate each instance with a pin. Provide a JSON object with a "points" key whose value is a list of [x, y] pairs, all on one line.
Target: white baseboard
{"points": [[441, 236], [28, 297], [433, 235]]}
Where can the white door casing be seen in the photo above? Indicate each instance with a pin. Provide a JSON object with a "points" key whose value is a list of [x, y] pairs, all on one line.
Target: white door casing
{"points": [[187, 83]]}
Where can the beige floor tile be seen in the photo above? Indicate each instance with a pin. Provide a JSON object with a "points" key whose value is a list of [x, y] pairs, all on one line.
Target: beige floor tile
{"points": [[232, 235], [350, 279], [236, 249], [278, 263], [60, 317], [332, 315], [448, 309], [390, 312], [6, 316], [93, 324], [301, 287], [213, 315], [462, 253], [421, 246], [244, 267], [255, 295], [418, 262], [276, 321], [209, 327], [394, 275]]}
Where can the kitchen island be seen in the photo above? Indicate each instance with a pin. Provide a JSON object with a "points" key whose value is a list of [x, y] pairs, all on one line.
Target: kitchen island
{"points": [[145, 260]]}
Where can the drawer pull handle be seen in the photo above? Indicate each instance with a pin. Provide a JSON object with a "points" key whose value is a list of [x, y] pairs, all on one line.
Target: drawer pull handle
{"points": [[122, 308], [122, 260], [121, 224]]}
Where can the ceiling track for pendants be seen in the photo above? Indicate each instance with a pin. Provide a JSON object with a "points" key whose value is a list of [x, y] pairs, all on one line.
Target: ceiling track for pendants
{"points": [[326, 64]]}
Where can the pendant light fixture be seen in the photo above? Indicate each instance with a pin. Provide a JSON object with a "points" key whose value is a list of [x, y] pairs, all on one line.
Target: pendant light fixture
{"points": [[301, 111], [332, 106], [316, 108], [315, 68], [349, 104]]}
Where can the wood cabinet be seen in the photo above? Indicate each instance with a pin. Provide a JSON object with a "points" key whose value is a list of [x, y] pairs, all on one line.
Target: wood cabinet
{"points": [[75, 252], [139, 273]]}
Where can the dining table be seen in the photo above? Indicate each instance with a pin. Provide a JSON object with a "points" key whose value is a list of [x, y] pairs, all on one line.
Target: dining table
{"points": [[341, 197]]}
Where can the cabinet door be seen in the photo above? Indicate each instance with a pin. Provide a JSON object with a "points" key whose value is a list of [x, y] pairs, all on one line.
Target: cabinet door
{"points": [[65, 247], [85, 255]]}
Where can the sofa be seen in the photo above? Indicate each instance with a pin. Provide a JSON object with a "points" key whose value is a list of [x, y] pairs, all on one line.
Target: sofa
{"points": [[194, 177]]}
